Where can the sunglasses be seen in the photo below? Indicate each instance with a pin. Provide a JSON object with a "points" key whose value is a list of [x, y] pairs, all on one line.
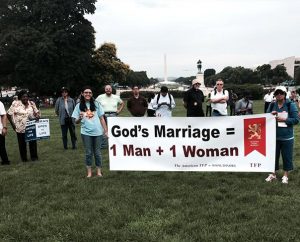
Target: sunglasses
{"points": [[279, 93]]}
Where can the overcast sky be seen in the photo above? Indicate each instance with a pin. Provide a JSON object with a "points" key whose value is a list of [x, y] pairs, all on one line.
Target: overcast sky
{"points": [[220, 33]]}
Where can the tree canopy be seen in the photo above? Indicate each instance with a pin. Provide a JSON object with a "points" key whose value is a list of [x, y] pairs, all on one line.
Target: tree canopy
{"points": [[45, 44], [107, 67]]}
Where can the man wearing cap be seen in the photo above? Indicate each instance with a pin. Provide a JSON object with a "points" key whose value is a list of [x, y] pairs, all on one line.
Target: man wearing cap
{"points": [[163, 103], [219, 98], [244, 106], [64, 107], [193, 99], [286, 115]]}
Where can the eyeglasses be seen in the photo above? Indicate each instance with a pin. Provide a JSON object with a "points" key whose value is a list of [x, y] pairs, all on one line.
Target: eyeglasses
{"points": [[219, 84], [198, 84], [279, 93], [87, 92]]}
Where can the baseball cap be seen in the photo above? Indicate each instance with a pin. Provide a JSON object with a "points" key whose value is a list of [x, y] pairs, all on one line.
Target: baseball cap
{"points": [[64, 89], [196, 81], [280, 88]]}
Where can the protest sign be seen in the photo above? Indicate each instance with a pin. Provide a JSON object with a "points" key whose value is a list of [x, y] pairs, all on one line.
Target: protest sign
{"points": [[236, 143], [37, 129]]}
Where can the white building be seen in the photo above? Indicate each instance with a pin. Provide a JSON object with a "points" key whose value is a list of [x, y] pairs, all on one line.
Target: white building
{"points": [[290, 63]]}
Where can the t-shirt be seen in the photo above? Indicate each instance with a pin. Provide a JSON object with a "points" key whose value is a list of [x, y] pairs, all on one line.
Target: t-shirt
{"points": [[163, 110], [2, 112], [90, 123], [137, 106], [109, 103], [269, 97], [221, 107]]}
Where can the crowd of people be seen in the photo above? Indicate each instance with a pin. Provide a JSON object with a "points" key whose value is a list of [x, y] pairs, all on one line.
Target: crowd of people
{"points": [[91, 113]]}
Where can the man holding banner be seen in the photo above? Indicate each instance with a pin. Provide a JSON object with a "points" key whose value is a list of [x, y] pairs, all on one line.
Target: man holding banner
{"points": [[286, 116]]}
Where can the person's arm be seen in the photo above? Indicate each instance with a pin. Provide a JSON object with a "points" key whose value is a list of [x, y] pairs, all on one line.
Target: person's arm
{"points": [[238, 107], [173, 104], [77, 115], [120, 107], [154, 103], [222, 99], [129, 105], [4, 124], [36, 112], [293, 117], [104, 126], [57, 106], [185, 100]]}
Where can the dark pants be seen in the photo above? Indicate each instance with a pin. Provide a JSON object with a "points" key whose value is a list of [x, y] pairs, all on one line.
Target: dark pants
{"points": [[266, 106], [208, 111], [150, 113], [3, 153], [285, 147], [23, 148], [232, 110], [64, 132]]}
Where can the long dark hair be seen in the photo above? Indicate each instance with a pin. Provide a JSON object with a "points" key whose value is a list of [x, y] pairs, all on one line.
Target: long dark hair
{"points": [[82, 105]]}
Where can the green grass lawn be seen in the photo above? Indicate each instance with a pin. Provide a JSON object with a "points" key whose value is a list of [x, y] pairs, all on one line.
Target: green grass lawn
{"points": [[52, 200]]}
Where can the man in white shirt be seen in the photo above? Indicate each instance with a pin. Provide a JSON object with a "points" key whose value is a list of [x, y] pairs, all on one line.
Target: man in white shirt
{"points": [[3, 132], [219, 98], [112, 106], [163, 103], [268, 98]]}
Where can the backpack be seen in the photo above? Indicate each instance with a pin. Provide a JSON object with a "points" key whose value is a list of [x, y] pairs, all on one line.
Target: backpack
{"points": [[158, 97], [216, 91]]}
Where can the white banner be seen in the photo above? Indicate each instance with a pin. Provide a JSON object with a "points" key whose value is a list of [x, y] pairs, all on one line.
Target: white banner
{"points": [[233, 143]]}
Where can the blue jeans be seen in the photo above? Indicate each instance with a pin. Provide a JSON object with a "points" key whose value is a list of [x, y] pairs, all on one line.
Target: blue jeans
{"points": [[285, 147], [215, 113], [92, 148], [64, 133]]}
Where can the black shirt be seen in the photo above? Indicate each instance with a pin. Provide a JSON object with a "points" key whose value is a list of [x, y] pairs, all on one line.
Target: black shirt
{"points": [[193, 99]]}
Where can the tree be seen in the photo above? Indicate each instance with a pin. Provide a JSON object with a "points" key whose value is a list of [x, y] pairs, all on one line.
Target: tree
{"points": [[297, 75], [107, 67], [264, 73], [138, 78], [209, 72], [46, 44], [279, 74]]}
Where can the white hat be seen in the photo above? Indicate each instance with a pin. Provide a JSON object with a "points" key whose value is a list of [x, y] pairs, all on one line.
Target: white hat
{"points": [[281, 88], [196, 81]]}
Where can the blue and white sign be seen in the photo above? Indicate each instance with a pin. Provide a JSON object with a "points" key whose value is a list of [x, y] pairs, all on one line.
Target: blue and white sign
{"points": [[36, 130]]}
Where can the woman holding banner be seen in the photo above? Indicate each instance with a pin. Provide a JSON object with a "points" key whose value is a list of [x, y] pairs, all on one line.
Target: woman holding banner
{"points": [[18, 114], [286, 116], [89, 113]]}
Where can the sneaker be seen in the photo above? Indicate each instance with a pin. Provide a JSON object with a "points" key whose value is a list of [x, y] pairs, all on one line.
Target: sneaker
{"points": [[270, 178], [285, 180]]}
